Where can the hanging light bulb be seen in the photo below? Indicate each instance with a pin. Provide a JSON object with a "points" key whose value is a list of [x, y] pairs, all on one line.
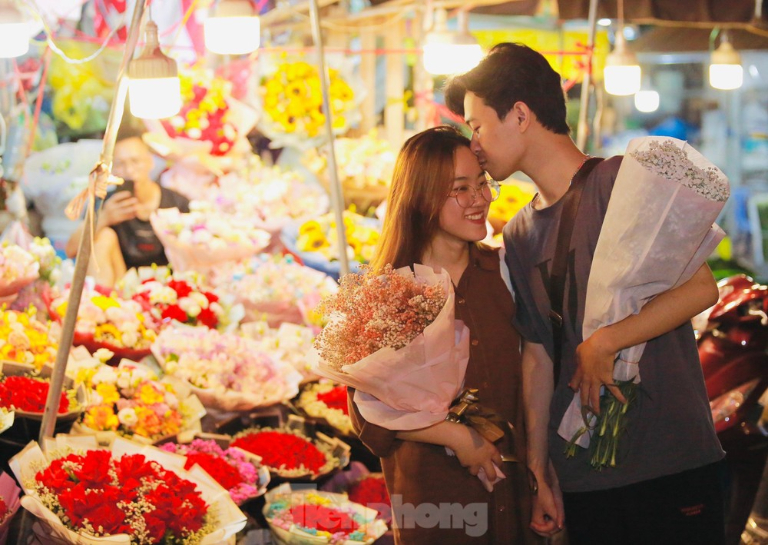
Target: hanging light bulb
{"points": [[14, 31], [447, 52], [725, 71], [233, 28], [647, 101], [154, 88], [622, 72]]}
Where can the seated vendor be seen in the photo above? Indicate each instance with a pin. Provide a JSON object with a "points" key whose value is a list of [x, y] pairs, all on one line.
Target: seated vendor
{"points": [[123, 236]]}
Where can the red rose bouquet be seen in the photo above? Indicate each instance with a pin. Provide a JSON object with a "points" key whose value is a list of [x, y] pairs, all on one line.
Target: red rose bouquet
{"points": [[135, 494], [179, 297], [290, 454], [235, 470], [328, 402]]}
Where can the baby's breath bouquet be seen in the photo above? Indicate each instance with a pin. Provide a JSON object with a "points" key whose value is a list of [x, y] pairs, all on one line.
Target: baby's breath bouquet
{"points": [[658, 230], [392, 335]]}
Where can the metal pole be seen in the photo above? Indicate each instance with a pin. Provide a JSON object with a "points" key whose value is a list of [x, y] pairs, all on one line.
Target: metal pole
{"points": [[582, 132], [102, 168], [337, 197]]}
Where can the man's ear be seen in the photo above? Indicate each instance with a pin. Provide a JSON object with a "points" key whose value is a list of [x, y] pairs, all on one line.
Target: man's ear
{"points": [[521, 115]]}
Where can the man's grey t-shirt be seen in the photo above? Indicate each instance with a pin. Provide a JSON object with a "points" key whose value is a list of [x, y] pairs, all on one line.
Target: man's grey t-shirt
{"points": [[670, 426]]}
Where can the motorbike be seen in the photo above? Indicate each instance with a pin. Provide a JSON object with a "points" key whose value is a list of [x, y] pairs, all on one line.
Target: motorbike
{"points": [[732, 340]]}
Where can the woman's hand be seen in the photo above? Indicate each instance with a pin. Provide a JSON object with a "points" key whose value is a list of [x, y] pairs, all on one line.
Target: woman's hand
{"points": [[475, 452]]}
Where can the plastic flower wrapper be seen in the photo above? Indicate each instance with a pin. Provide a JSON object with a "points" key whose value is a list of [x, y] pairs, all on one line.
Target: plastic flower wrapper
{"points": [[24, 390], [202, 238], [226, 372], [237, 471], [291, 452], [658, 230], [130, 400], [272, 287], [53, 177], [327, 402], [135, 494], [288, 343], [267, 197], [365, 167], [27, 339], [315, 241], [119, 325], [316, 517], [179, 297], [9, 504]]}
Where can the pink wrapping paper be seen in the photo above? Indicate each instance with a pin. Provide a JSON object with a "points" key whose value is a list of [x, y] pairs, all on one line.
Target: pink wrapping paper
{"points": [[413, 387]]}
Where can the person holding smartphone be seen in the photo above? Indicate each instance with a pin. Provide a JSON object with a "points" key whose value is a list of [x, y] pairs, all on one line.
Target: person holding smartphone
{"points": [[123, 236]]}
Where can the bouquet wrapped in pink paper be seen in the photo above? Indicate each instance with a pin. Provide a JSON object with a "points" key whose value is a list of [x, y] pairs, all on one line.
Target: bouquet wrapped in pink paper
{"points": [[225, 371], [393, 337], [658, 230], [9, 504], [203, 237]]}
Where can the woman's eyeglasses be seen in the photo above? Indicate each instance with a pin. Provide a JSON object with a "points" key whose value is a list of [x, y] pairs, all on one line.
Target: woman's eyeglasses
{"points": [[466, 194]]}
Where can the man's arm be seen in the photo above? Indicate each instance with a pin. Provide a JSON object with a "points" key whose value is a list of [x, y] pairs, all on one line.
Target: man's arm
{"points": [[117, 209], [538, 385], [595, 356]]}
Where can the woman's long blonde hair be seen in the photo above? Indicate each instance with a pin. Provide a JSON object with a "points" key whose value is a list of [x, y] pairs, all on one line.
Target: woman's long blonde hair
{"points": [[423, 177]]}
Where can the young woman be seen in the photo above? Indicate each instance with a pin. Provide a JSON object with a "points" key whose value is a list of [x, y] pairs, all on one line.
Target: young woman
{"points": [[436, 214]]}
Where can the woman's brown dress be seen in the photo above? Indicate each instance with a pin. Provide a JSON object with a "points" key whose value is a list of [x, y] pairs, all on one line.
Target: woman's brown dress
{"points": [[420, 473]]}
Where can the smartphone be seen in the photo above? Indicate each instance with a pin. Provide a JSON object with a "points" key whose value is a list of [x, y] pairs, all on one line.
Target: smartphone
{"points": [[127, 185]]}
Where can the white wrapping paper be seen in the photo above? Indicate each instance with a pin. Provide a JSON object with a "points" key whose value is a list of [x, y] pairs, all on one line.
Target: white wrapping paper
{"points": [[655, 236]]}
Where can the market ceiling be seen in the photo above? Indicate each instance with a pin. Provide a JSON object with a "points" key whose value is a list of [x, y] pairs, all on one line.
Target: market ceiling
{"points": [[635, 11]]}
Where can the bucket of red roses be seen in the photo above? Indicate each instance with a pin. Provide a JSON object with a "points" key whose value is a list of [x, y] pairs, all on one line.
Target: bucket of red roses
{"points": [[326, 403], [108, 321], [237, 471], [130, 493], [313, 517], [226, 372], [25, 390], [292, 452], [9, 504], [131, 401]]}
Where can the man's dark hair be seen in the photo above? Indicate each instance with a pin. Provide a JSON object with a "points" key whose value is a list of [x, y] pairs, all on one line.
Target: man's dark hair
{"points": [[130, 128], [513, 72]]}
